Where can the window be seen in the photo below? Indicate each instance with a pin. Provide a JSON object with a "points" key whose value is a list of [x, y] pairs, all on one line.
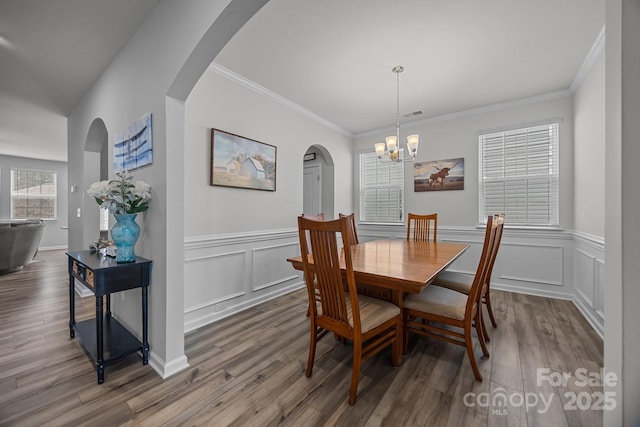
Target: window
{"points": [[381, 190], [33, 194], [518, 175]]}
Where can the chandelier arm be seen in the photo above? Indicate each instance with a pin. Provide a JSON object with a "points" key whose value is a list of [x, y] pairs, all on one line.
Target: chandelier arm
{"points": [[392, 151]]}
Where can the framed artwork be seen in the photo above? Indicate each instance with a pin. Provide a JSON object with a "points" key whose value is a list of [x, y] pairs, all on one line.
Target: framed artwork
{"points": [[438, 175], [133, 146], [241, 162]]}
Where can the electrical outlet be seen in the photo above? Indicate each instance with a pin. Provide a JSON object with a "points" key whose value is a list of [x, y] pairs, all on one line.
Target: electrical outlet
{"points": [[78, 213]]}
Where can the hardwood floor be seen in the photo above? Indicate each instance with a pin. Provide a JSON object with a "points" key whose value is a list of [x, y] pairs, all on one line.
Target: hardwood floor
{"points": [[248, 369]]}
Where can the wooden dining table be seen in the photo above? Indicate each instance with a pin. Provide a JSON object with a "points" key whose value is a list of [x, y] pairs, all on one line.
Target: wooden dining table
{"points": [[391, 268]]}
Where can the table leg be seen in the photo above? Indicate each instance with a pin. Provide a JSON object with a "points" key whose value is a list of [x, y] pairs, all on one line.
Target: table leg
{"points": [[99, 341], [145, 325], [72, 307]]}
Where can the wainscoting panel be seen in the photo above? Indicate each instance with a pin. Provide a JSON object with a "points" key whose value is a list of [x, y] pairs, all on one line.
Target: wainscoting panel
{"points": [[530, 263], [584, 277], [230, 273], [550, 263], [267, 271], [588, 260]]}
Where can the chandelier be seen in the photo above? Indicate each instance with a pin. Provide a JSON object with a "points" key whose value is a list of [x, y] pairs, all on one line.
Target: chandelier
{"points": [[391, 150]]}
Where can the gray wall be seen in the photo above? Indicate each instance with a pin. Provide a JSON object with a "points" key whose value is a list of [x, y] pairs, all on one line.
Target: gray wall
{"points": [[54, 237]]}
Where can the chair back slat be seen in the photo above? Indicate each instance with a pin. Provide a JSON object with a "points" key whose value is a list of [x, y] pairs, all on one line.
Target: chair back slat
{"points": [[422, 227], [319, 238], [353, 234], [499, 219], [479, 280]]}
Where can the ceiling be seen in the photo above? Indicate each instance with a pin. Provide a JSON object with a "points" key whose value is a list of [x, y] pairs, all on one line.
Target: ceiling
{"points": [[333, 57], [51, 52]]}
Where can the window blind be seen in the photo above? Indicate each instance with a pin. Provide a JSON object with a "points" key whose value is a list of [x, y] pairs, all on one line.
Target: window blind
{"points": [[381, 190], [33, 194], [518, 175]]}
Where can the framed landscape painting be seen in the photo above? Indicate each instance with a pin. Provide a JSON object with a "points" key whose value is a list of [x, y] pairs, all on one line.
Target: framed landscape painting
{"points": [[439, 175], [241, 162]]}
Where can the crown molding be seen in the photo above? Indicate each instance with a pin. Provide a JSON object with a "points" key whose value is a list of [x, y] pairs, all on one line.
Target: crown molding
{"points": [[473, 112], [254, 87], [589, 60], [583, 71]]}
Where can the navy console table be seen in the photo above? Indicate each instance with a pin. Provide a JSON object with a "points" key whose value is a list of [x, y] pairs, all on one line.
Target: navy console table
{"points": [[104, 339]]}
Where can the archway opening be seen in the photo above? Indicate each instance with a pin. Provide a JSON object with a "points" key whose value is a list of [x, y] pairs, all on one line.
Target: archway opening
{"points": [[318, 182], [96, 168]]}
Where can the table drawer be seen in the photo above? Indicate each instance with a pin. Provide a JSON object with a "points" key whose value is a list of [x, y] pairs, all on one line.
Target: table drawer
{"points": [[83, 273]]}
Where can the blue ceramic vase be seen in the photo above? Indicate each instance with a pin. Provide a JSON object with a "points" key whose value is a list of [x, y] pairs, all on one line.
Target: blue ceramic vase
{"points": [[125, 233]]}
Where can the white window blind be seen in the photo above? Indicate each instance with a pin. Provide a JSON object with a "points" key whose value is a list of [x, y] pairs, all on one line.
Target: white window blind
{"points": [[381, 190], [33, 194], [518, 175]]}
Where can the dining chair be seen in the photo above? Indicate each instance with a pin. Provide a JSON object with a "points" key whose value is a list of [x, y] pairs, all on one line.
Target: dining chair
{"points": [[371, 324], [448, 308], [465, 287], [319, 217], [422, 226], [353, 234]]}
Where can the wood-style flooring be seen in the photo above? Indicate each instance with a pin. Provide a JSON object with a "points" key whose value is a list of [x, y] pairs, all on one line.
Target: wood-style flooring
{"points": [[248, 369]]}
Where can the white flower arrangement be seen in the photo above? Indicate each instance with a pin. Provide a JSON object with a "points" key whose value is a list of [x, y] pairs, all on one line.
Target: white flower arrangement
{"points": [[122, 195]]}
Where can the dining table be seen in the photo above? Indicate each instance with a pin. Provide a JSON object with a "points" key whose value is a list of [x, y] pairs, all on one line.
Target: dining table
{"points": [[391, 268]]}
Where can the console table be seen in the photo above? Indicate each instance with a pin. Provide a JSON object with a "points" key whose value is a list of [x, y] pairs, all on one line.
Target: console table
{"points": [[104, 339]]}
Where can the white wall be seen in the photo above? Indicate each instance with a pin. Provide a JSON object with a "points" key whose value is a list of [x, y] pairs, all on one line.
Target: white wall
{"points": [[237, 240], [589, 151], [564, 263], [217, 102], [54, 237], [589, 193], [622, 207], [154, 73], [457, 136]]}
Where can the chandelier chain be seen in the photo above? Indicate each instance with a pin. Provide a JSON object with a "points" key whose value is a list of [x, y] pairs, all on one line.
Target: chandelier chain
{"points": [[398, 71]]}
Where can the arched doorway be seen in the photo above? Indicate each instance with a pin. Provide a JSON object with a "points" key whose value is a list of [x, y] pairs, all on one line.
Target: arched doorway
{"points": [[318, 182], [96, 168]]}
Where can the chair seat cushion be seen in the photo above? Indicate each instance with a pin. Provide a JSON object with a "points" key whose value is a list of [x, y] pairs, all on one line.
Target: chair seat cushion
{"points": [[373, 312], [455, 285], [440, 301]]}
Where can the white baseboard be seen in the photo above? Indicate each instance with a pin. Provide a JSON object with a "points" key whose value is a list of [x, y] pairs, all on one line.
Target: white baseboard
{"points": [[167, 369], [532, 291], [81, 289], [596, 323], [208, 318], [52, 248]]}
